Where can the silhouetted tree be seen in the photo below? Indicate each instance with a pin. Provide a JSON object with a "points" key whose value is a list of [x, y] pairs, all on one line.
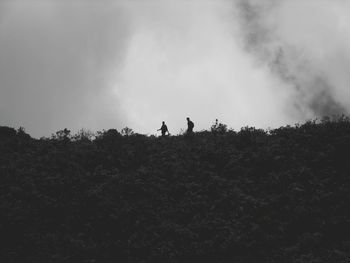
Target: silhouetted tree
{"points": [[218, 128], [7, 132], [62, 135], [248, 196], [127, 131], [22, 133], [84, 135]]}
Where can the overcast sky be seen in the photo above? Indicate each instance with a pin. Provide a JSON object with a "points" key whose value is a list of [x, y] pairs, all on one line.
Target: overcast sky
{"points": [[99, 64]]}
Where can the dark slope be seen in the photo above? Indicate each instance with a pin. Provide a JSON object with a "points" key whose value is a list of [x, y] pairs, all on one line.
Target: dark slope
{"points": [[248, 196]]}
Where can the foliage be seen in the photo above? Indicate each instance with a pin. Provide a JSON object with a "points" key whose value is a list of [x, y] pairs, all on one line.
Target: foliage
{"points": [[127, 131], [247, 196], [6, 132], [84, 135], [218, 128], [62, 135]]}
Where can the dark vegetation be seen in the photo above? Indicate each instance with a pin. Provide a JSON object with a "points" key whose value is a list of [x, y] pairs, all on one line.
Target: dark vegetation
{"points": [[216, 196]]}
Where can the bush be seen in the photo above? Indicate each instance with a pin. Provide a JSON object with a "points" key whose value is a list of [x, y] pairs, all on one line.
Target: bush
{"points": [[218, 128], [250, 196], [7, 132]]}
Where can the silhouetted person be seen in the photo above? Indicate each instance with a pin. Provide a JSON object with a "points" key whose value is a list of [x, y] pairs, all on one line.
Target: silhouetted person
{"points": [[164, 129], [190, 126]]}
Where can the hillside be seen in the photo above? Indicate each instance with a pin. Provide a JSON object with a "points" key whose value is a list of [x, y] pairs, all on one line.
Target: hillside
{"points": [[216, 196]]}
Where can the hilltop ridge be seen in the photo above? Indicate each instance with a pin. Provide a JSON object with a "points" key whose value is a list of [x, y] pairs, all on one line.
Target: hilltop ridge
{"points": [[216, 196]]}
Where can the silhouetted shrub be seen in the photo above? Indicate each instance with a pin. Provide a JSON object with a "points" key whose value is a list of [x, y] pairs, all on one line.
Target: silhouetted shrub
{"points": [[248, 196], [22, 133], [127, 131], [83, 135], [7, 132], [62, 135], [218, 128]]}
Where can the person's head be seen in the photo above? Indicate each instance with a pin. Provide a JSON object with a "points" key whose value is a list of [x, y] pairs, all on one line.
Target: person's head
{"points": [[163, 122], [188, 119]]}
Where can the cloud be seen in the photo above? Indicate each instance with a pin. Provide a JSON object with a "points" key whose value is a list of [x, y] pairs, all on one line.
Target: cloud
{"points": [[110, 64], [306, 45], [55, 61], [184, 60]]}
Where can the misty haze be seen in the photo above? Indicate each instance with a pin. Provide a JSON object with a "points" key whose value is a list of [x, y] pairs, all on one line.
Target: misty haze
{"points": [[174, 131], [103, 64]]}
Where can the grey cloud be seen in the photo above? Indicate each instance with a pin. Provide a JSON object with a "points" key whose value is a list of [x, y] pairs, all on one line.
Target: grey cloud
{"points": [[55, 61], [103, 64], [315, 88]]}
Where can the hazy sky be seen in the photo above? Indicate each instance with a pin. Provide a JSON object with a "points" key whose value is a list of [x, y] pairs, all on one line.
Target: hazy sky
{"points": [[100, 64]]}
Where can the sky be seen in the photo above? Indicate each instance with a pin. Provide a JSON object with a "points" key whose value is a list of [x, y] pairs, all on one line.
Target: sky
{"points": [[110, 64]]}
